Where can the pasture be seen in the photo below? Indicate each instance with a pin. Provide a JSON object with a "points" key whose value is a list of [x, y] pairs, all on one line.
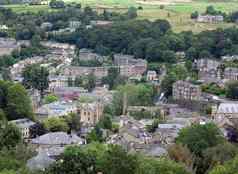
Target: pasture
{"points": [[177, 12]]}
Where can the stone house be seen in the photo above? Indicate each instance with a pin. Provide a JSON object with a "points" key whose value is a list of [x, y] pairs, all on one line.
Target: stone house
{"points": [[183, 90], [90, 113], [129, 66], [208, 70], [225, 114], [231, 73], [151, 76], [57, 82], [56, 139], [25, 126], [56, 109], [74, 24], [98, 72], [100, 23], [210, 19], [69, 93], [7, 45], [46, 26]]}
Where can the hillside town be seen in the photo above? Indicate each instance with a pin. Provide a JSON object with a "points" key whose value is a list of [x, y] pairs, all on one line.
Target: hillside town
{"points": [[58, 94]]}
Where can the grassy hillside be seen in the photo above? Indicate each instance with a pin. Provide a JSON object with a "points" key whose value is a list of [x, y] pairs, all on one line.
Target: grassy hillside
{"points": [[176, 11]]}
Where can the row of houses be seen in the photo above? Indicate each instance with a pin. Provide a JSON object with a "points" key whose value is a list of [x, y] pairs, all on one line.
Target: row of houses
{"points": [[214, 71], [7, 45], [210, 18]]}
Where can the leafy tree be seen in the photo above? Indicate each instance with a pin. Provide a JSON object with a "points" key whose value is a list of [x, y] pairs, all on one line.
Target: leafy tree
{"points": [[218, 155], [152, 128], [231, 167], [192, 53], [18, 103], [161, 165], [232, 90], [194, 15], [36, 77], [74, 160], [50, 99], [56, 124], [211, 10], [136, 95], [78, 81], [162, 25], [90, 82], [167, 84], [113, 78], [132, 13], [3, 119], [116, 161], [200, 137], [6, 74], [10, 136], [96, 135], [57, 4], [106, 122], [73, 121], [182, 154], [70, 82]]}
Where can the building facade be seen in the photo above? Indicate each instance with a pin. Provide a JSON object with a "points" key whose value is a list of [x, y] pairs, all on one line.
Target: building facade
{"points": [[90, 113], [183, 90]]}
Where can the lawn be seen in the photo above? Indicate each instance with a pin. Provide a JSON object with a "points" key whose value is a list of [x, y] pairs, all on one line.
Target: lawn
{"points": [[28, 8], [178, 14]]}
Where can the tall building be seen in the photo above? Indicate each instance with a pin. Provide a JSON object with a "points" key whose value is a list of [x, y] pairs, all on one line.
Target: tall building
{"points": [[183, 90]]}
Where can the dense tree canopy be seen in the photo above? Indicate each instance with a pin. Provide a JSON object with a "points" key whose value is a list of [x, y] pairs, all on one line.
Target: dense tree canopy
{"points": [[96, 158], [200, 137]]}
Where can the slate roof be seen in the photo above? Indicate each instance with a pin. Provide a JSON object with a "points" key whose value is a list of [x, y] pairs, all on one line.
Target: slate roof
{"points": [[40, 162], [57, 138], [23, 123], [156, 151], [228, 108]]}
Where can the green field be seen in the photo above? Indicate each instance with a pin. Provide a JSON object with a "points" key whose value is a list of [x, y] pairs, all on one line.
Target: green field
{"points": [[178, 14]]}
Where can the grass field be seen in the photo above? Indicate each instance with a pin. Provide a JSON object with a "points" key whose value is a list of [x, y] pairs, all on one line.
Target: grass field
{"points": [[178, 14]]}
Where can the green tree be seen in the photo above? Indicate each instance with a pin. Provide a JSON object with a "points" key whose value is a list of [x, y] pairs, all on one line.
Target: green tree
{"points": [[167, 84], [230, 167], [218, 155], [73, 121], [96, 135], [18, 103], [161, 165], [50, 99], [200, 137], [106, 122], [132, 13], [78, 81], [116, 161], [232, 90], [90, 82], [111, 79], [36, 77], [70, 82], [56, 124], [10, 136]]}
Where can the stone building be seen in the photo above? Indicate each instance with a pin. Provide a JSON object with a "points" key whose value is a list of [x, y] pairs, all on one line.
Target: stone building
{"points": [[183, 90], [151, 76], [231, 73], [129, 66], [25, 126], [210, 19], [99, 72], [208, 70], [90, 113], [225, 114], [75, 24]]}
